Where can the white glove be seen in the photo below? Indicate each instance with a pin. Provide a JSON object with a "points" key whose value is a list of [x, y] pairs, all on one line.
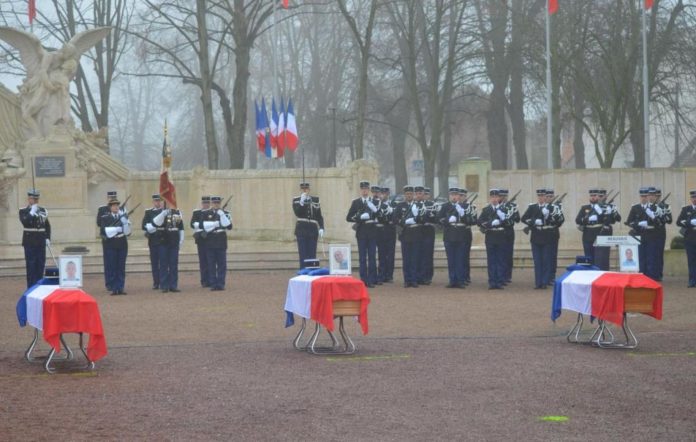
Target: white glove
{"points": [[538, 222], [410, 222], [124, 220], [150, 228], [643, 224], [127, 228], [48, 242], [389, 210], [303, 198], [650, 213], [452, 219], [597, 209], [209, 226], [112, 231], [371, 206], [197, 225], [501, 214], [225, 220], [460, 209], [608, 210], [365, 216], [34, 209], [495, 223], [693, 222], [122, 212], [414, 210], [220, 212], [592, 218], [321, 233], [545, 211], [181, 238]]}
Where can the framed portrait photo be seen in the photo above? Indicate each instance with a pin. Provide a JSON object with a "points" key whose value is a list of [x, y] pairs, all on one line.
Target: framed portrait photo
{"points": [[628, 258], [339, 259], [70, 271]]}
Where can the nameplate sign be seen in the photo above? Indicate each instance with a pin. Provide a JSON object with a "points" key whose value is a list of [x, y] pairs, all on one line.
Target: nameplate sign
{"points": [[46, 167], [608, 241]]}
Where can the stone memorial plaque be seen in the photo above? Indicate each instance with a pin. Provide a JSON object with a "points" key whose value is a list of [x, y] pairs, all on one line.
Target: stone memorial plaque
{"points": [[49, 166], [472, 183]]}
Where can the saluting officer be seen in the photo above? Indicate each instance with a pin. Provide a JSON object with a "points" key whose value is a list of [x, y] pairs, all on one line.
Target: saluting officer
{"points": [[115, 227], [153, 238], [687, 222], [101, 211], [537, 217], [664, 213], [406, 215], [388, 247], [470, 219], [363, 213], [644, 221], [216, 223], [170, 226], [429, 224], [454, 235], [556, 220], [197, 218], [491, 223], [310, 223], [590, 222], [512, 217], [379, 228], [36, 236]]}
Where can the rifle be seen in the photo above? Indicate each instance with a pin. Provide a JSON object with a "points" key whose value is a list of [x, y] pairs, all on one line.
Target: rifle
{"points": [[512, 200], [614, 197], [473, 199], [123, 204], [662, 201], [227, 202]]}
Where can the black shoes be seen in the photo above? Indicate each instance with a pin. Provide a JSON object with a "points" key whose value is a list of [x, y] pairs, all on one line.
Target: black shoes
{"points": [[155, 286], [174, 290], [118, 292]]}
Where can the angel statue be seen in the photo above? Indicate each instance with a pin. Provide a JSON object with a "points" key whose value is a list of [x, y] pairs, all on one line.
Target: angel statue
{"points": [[45, 92]]}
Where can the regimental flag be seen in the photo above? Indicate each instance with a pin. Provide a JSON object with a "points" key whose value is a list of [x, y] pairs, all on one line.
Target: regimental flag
{"points": [[166, 187], [281, 129], [274, 129], [649, 4], [291, 137], [32, 11], [260, 128], [553, 6]]}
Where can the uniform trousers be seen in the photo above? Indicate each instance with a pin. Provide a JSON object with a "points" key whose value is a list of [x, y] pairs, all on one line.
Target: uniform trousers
{"points": [[456, 254], [169, 266], [426, 264], [217, 266], [306, 248], [650, 251], [409, 256], [35, 260], [155, 265], [367, 252], [495, 258], [542, 255], [386, 254], [203, 264], [691, 260], [115, 268]]}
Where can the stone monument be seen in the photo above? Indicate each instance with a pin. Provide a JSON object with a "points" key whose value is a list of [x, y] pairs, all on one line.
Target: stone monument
{"points": [[40, 144]]}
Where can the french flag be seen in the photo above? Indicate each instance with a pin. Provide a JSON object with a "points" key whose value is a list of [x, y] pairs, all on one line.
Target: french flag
{"points": [[600, 294], [260, 124], [56, 310], [281, 129], [274, 129], [291, 138], [267, 148]]}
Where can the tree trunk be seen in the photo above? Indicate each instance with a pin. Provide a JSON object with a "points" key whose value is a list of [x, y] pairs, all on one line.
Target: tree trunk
{"points": [[497, 128], [443, 169], [206, 82], [556, 127], [239, 95], [578, 130], [519, 129]]}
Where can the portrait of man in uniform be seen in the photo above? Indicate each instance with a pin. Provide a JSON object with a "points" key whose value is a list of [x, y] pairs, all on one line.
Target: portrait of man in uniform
{"points": [[70, 271], [629, 258], [340, 259]]}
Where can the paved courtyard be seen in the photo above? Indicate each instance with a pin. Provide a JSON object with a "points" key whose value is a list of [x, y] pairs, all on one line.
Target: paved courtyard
{"points": [[438, 364]]}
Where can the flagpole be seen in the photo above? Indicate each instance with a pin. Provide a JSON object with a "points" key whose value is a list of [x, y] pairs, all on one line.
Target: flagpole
{"points": [[646, 92], [549, 116]]}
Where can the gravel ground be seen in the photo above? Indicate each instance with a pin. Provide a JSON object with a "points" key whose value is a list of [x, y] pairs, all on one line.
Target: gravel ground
{"points": [[438, 364]]}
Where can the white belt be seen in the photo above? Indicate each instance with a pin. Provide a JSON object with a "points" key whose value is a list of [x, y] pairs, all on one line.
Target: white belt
{"points": [[29, 229], [458, 225], [307, 220], [496, 228], [413, 225], [594, 226], [546, 227], [370, 221], [648, 228], [173, 229]]}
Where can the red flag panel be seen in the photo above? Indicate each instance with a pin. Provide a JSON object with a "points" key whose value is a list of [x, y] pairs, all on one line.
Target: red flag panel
{"points": [[553, 6]]}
